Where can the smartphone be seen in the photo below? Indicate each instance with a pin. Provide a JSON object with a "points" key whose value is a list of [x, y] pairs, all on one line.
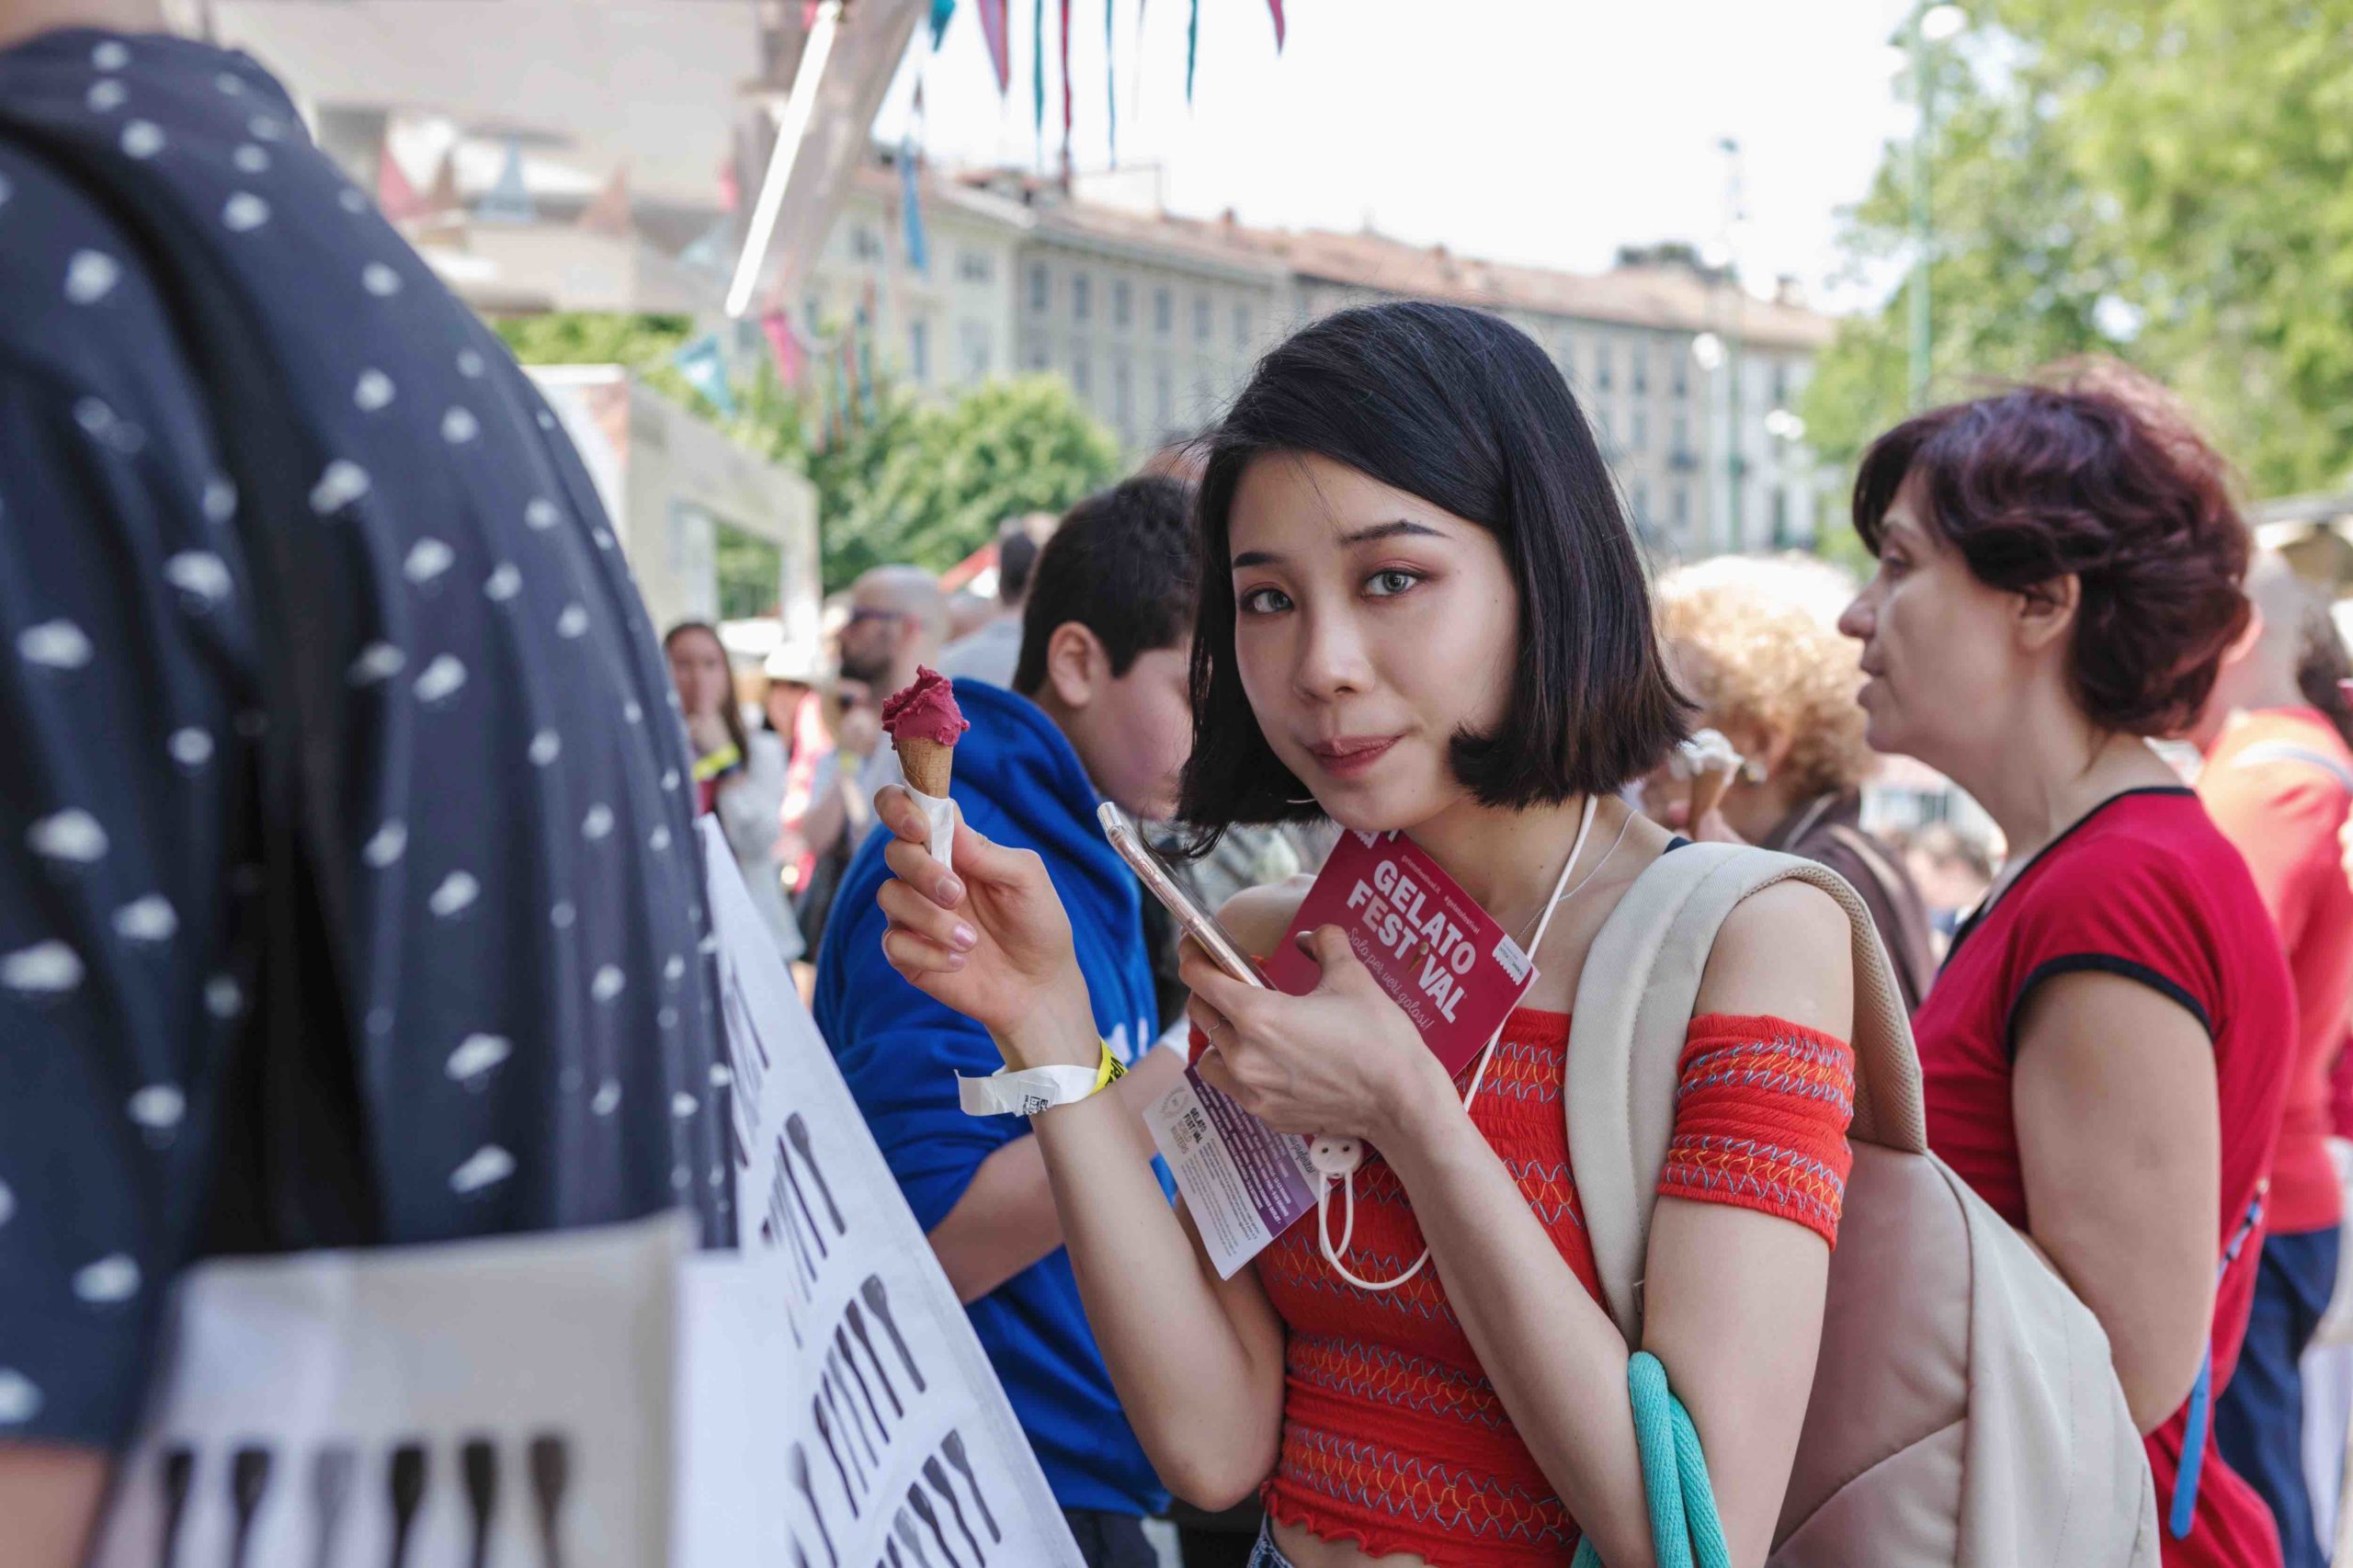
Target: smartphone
{"points": [[1199, 923]]}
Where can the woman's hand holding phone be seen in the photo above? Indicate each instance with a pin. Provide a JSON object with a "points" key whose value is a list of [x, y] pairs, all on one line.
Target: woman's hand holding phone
{"points": [[990, 939]]}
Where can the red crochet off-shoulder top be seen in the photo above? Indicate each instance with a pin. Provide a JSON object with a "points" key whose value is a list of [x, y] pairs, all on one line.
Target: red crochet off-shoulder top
{"points": [[1392, 1436]]}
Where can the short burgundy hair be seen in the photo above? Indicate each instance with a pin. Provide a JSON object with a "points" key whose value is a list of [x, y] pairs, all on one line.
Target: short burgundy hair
{"points": [[2102, 476]]}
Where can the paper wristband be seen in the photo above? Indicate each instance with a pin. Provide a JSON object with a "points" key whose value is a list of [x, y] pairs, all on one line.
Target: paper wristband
{"points": [[1034, 1089], [941, 817]]}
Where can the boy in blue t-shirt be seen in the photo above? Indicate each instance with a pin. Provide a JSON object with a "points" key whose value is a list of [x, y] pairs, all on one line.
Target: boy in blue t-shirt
{"points": [[1100, 709]]}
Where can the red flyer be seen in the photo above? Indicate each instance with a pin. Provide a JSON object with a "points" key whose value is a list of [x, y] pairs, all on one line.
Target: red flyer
{"points": [[1440, 956]]}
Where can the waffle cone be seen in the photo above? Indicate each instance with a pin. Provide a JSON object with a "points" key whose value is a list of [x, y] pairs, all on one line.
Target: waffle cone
{"points": [[927, 765], [1708, 790]]}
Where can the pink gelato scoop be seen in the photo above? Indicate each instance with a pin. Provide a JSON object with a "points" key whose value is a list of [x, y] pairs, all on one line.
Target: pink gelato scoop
{"points": [[925, 712]]}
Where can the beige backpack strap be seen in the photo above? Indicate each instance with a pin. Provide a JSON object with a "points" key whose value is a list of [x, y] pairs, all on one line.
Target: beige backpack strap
{"points": [[1626, 1033]]}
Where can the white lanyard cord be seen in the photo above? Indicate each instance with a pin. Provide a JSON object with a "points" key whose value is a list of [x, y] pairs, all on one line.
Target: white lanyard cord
{"points": [[1347, 1179]]}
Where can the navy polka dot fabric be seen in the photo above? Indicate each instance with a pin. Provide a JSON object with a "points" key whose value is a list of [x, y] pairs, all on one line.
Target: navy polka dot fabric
{"points": [[520, 963]]}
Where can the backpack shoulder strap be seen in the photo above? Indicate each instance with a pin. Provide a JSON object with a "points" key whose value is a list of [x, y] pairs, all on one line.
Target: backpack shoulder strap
{"points": [[2288, 751], [1626, 1033]]}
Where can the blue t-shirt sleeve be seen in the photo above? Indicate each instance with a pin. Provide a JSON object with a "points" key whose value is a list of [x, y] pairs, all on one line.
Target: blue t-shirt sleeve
{"points": [[900, 1051], [126, 965]]}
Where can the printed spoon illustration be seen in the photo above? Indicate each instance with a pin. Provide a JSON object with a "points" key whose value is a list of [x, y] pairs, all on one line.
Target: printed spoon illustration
{"points": [[825, 1430], [408, 1473], [798, 1131], [937, 1474], [248, 1479], [841, 1343], [827, 1379], [179, 1471], [906, 1528], [478, 1460], [878, 1301], [953, 1446], [332, 1469], [856, 1321], [924, 1511], [800, 1479], [784, 1161], [551, 1460]]}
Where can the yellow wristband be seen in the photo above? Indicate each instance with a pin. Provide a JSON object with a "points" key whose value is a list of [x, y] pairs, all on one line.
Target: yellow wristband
{"points": [[1110, 1072]]}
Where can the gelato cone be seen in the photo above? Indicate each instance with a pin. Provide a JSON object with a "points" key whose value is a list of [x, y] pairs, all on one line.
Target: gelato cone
{"points": [[923, 723], [1709, 760]]}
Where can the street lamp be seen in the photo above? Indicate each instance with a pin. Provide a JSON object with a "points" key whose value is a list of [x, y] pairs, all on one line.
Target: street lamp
{"points": [[1929, 24]]}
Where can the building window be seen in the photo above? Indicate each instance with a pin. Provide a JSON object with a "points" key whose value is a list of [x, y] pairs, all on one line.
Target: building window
{"points": [[863, 244], [1201, 318], [1082, 370], [1241, 327], [1122, 302], [1162, 312], [1641, 358], [1643, 500], [1682, 432], [978, 350], [1609, 436], [811, 315], [975, 267], [1082, 296], [1781, 384], [1678, 377], [1605, 368], [1781, 519], [1682, 506], [919, 348], [1123, 413], [1163, 397], [1037, 355], [1564, 356], [1642, 428], [1204, 397]]}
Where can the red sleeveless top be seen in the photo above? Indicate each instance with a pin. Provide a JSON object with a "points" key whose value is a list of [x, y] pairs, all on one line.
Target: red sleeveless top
{"points": [[1392, 1436]]}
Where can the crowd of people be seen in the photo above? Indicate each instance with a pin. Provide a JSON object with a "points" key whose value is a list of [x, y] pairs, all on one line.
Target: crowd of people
{"points": [[342, 739]]}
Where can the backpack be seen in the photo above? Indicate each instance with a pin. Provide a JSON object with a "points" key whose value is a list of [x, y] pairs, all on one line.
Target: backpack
{"points": [[1965, 1412]]}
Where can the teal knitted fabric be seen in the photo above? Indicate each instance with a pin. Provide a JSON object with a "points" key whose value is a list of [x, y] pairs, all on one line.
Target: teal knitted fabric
{"points": [[1685, 1531]]}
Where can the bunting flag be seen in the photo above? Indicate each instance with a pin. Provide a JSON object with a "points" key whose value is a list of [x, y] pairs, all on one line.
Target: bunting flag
{"points": [[997, 27], [442, 195], [394, 196], [705, 368], [1110, 85], [784, 347], [911, 204], [1038, 80], [1277, 7], [713, 251], [1192, 49], [1066, 93], [943, 10], [610, 214], [509, 201]]}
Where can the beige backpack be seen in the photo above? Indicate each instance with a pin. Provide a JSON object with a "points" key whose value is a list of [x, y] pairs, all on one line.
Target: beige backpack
{"points": [[1963, 1412]]}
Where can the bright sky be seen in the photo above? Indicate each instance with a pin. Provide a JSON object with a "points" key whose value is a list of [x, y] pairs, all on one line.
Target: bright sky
{"points": [[1548, 132]]}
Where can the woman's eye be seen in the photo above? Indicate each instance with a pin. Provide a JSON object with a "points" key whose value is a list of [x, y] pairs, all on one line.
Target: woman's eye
{"points": [[1265, 601], [1389, 584]]}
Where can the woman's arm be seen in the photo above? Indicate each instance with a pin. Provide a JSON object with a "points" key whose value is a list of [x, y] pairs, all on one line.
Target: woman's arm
{"points": [[1733, 1298], [2119, 1143], [1198, 1361]]}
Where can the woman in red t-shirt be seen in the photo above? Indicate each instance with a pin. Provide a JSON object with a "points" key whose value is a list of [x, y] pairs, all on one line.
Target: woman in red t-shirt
{"points": [[2058, 577], [1426, 613]]}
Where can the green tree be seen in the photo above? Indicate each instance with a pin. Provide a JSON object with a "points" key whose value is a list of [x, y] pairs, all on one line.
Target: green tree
{"points": [[2170, 182], [899, 480]]}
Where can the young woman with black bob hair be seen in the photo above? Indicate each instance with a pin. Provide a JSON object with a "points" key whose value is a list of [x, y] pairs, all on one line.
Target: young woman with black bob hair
{"points": [[1422, 610]]}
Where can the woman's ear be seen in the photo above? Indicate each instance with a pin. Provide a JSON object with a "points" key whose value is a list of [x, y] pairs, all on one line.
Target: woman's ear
{"points": [[1076, 664], [2045, 613]]}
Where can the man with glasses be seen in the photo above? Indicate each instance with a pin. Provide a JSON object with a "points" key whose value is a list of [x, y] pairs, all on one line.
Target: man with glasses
{"points": [[898, 620]]}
